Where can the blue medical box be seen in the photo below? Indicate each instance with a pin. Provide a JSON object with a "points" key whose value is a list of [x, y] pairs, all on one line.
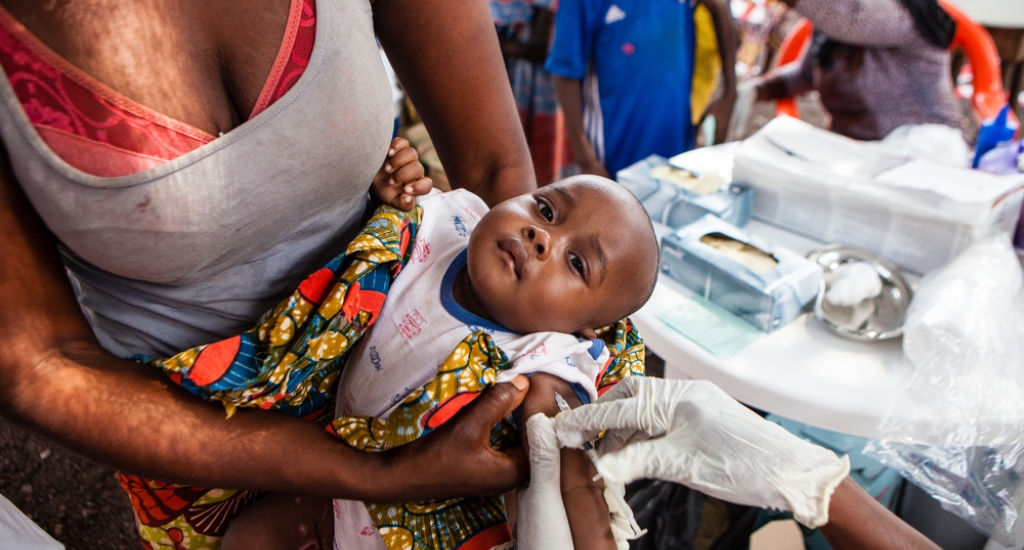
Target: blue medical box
{"points": [[675, 206], [766, 300]]}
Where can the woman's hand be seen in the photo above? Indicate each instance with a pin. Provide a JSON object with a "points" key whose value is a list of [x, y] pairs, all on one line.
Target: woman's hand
{"points": [[457, 460], [400, 179]]}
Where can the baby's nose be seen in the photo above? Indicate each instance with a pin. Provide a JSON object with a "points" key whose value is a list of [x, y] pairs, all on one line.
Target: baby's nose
{"points": [[539, 240]]}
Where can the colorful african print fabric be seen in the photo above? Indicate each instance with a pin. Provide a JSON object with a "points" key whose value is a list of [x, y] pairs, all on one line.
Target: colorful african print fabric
{"points": [[289, 362], [471, 523]]}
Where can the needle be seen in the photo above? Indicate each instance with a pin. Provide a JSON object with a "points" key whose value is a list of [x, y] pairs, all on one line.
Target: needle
{"points": [[588, 446]]}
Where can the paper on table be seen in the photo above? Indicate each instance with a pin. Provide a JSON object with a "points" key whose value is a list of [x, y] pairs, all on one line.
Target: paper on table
{"points": [[711, 327], [959, 184], [708, 160], [839, 155]]}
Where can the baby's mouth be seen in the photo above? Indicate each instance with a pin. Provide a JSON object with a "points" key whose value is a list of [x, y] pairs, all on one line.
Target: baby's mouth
{"points": [[514, 255]]}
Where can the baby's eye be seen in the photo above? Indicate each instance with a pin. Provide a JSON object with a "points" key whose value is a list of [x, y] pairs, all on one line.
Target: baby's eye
{"points": [[577, 264], [546, 211]]}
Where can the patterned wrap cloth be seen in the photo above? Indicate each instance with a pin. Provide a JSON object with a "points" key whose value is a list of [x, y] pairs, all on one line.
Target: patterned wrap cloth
{"points": [[290, 362]]}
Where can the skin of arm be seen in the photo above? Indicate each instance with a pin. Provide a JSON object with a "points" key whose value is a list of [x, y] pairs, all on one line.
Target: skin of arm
{"points": [[569, 96], [583, 498], [536, 50], [789, 80], [472, 121], [858, 521], [56, 380], [728, 42]]}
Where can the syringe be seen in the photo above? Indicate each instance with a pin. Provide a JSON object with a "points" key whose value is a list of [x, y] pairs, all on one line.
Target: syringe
{"points": [[588, 446], [620, 501]]}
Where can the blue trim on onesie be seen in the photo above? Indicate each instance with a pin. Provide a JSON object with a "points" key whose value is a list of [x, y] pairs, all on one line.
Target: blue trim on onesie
{"points": [[581, 393], [453, 307]]}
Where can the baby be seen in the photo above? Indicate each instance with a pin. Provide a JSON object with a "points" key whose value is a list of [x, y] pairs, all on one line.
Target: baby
{"points": [[539, 274]]}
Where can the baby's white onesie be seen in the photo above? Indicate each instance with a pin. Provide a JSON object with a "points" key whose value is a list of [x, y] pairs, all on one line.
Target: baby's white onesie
{"points": [[419, 326]]}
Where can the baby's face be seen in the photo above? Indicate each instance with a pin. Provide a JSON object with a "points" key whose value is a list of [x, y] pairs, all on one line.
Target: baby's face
{"points": [[562, 258]]}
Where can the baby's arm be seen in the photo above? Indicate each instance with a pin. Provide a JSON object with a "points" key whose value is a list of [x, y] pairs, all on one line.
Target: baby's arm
{"points": [[582, 497], [400, 179]]}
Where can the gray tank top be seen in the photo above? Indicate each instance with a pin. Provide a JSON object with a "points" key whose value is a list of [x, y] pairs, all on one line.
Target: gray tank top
{"points": [[196, 249]]}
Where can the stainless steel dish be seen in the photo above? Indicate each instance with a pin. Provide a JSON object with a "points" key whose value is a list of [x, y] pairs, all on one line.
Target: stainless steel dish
{"points": [[878, 318]]}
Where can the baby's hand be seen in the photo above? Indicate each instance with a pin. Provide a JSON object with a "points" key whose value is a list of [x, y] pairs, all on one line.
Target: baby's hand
{"points": [[401, 179]]}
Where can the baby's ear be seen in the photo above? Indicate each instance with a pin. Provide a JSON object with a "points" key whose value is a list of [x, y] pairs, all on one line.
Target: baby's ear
{"points": [[587, 333]]}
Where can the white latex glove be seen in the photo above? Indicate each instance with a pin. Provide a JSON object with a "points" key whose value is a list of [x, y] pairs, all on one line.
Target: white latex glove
{"points": [[541, 522], [691, 432]]}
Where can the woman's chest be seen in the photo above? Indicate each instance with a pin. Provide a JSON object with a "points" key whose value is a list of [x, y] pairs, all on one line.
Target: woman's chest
{"points": [[289, 179], [200, 63]]}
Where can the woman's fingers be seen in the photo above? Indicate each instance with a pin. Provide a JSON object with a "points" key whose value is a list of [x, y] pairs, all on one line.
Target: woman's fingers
{"points": [[456, 460], [494, 404], [485, 470]]}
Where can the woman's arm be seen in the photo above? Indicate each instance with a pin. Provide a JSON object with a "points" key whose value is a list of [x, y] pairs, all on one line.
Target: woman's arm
{"points": [[447, 57], [855, 520], [56, 380]]}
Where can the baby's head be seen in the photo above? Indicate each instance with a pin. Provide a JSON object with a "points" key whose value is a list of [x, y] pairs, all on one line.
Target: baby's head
{"points": [[571, 257]]}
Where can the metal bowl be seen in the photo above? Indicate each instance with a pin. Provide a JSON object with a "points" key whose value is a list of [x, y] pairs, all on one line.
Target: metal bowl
{"points": [[878, 318]]}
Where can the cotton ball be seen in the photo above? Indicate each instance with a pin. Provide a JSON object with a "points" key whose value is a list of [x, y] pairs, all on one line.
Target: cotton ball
{"points": [[570, 439], [852, 284]]}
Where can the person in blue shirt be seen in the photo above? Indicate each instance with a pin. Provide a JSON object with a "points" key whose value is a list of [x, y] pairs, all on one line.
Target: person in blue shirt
{"points": [[623, 73]]}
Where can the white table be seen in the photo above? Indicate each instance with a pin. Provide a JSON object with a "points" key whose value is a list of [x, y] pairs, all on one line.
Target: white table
{"points": [[802, 371]]}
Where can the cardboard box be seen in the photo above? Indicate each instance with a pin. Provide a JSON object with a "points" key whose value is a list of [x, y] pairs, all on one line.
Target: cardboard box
{"points": [[766, 297], [677, 196]]}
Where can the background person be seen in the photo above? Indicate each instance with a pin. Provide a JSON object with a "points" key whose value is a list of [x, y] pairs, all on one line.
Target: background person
{"points": [[524, 32], [877, 65], [624, 74]]}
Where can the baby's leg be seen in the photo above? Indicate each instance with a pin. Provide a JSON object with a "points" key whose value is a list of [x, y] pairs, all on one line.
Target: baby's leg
{"points": [[282, 521]]}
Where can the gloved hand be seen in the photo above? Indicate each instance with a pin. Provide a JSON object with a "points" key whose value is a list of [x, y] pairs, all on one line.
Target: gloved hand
{"points": [[540, 515], [541, 519], [691, 432]]}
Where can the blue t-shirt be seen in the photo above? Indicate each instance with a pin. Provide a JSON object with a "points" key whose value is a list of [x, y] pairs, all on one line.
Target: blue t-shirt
{"points": [[635, 60]]}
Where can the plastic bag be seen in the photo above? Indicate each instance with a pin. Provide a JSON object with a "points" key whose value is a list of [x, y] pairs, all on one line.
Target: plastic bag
{"points": [[936, 142], [1006, 158], [956, 429]]}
